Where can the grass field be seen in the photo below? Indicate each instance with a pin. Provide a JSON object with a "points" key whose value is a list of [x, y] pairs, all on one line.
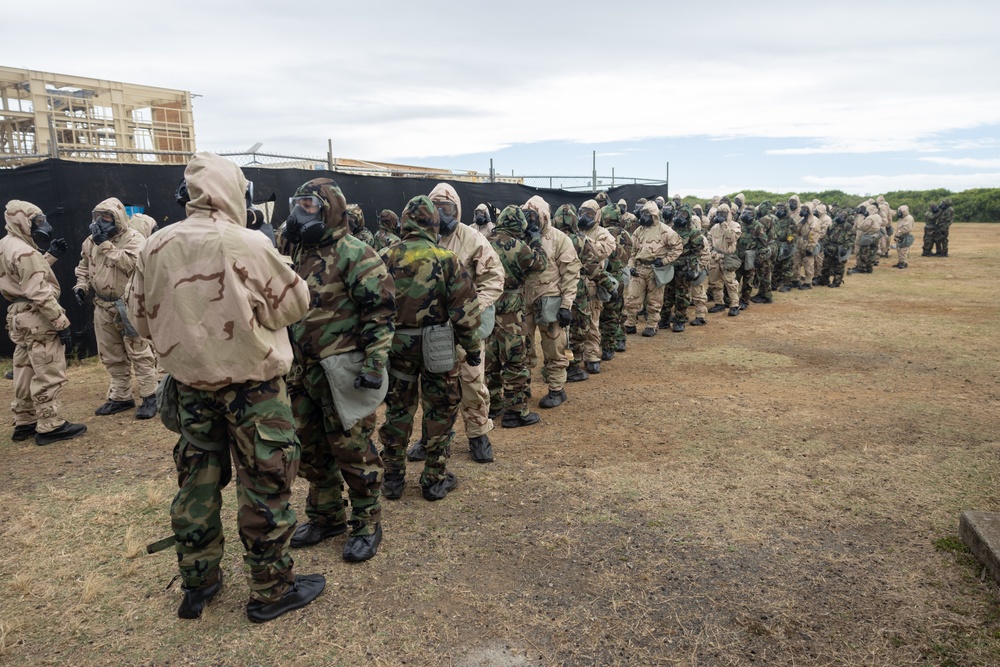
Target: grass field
{"points": [[779, 488]]}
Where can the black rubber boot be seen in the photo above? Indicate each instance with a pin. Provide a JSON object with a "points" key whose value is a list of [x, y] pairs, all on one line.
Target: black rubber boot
{"points": [[805, 286], [114, 407], [576, 374], [440, 489], [64, 432], [698, 322], [306, 588], [359, 548], [148, 408], [416, 452], [607, 355], [593, 367], [553, 399], [23, 432], [620, 347], [734, 311], [649, 332], [392, 485], [717, 308], [481, 449], [515, 420], [785, 288], [678, 327], [310, 533], [195, 599], [630, 330]]}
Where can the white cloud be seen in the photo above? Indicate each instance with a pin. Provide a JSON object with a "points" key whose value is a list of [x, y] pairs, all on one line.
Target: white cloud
{"points": [[886, 183], [975, 163]]}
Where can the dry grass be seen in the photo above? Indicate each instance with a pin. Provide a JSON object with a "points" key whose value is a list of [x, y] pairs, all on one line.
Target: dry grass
{"points": [[765, 490]]}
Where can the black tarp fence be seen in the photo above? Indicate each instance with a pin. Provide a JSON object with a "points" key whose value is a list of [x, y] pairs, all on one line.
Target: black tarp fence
{"points": [[68, 191]]}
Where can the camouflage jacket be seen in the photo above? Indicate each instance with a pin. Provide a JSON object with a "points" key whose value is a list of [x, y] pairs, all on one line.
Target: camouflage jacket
{"points": [[432, 285], [784, 231], [754, 238], [693, 245], [24, 272], [839, 234], [520, 259], [214, 297], [618, 260], [384, 239], [365, 236], [352, 303], [108, 267]]}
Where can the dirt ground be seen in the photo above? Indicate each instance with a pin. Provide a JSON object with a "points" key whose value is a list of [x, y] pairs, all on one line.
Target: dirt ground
{"points": [[779, 488]]}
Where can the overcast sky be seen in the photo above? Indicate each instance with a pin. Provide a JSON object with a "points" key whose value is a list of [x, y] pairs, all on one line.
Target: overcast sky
{"points": [[861, 96]]}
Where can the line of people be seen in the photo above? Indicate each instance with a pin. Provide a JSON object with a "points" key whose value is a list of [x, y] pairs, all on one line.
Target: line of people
{"points": [[280, 346]]}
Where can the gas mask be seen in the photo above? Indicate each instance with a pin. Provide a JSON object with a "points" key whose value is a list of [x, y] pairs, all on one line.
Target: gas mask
{"points": [[747, 215], [102, 226], [804, 214], [481, 219], [446, 211], [305, 224], [719, 217], [646, 219], [793, 205], [621, 209], [781, 213], [681, 219], [668, 211], [586, 219], [353, 223], [41, 231]]}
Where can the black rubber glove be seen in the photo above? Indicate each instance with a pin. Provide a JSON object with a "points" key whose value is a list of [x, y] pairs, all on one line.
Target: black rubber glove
{"points": [[57, 248], [564, 317], [658, 262], [99, 238], [692, 274], [368, 381], [634, 272], [809, 253], [474, 358], [533, 231], [65, 337], [79, 294]]}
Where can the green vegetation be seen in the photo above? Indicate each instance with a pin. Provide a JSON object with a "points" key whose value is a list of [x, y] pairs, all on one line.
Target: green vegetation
{"points": [[978, 205]]}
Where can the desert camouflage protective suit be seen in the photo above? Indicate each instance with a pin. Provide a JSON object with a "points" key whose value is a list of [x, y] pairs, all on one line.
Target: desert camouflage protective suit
{"points": [[604, 246], [482, 263], [351, 309], [558, 279], [507, 372], [612, 317], [806, 238], [105, 270], [869, 229], [143, 224], [356, 223], [215, 299], [486, 228], [904, 235], [858, 219], [823, 221], [885, 213], [433, 287], [388, 225], [722, 238], [658, 241], [34, 317]]}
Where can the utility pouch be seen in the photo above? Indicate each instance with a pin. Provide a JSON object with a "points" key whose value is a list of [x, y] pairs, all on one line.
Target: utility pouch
{"points": [[749, 260], [351, 405], [438, 347], [168, 403], [906, 241], [488, 320], [547, 309], [731, 261]]}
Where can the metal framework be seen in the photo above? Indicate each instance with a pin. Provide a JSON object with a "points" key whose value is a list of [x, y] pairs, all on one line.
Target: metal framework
{"points": [[77, 118]]}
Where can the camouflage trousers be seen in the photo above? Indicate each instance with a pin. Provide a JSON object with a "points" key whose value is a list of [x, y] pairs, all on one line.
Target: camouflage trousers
{"points": [[439, 395], [782, 274], [120, 354], [748, 280], [39, 369], [676, 298], [699, 297], [579, 328], [832, 268], [931, 235], [252, 423], [553, 344], [332, 456], [612, 332], [866, 258], [507, 371], [764, 269]]}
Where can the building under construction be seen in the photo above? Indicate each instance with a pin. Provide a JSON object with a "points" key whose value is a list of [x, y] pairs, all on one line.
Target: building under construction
{"points": [[46, 115]]}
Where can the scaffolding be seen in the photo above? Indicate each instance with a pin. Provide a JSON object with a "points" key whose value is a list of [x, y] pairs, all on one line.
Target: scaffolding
{"points": [[45, 115]]}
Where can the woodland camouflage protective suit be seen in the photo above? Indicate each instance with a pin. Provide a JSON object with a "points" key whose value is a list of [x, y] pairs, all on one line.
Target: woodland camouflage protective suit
{"points": [[482, 263], [868, 236], [904, 236], [105, 269], [34, 318], [783, 248], [351, 310], [388, 226], [215, 299], [558, 279], [764, 266], [612, 318], [754, 242], [653, 244], [687, 267], [936, 230], [433, 287], [507, 373], [604, 247], [357, 228], [836, 248]]}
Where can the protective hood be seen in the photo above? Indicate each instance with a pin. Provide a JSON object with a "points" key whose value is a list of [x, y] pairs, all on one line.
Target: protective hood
{"points": [[484, 209], [593, 206], [807, 207], [794, 198], [18, 215], [117, 209], [821, 210], [542, 208], [420, 219], [512, 221], [654, 210], [697, 209], [217, 188], [725, 210], [565, 219], [904, 210], [610, 215], [880, 199], [716, 200], [358, 214], [335, 211], [622, 202], [388, 221], [443, 191], [740, 199], [764, 208], [872, 209]]}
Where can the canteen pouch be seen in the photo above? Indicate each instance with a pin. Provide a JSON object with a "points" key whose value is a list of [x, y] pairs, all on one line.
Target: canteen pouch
{"points": [[547, 309], [351, 405], [662, 275], [438, 347]]}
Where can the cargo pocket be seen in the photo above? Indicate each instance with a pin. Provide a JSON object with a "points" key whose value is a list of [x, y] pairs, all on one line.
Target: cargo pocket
{"points": [[276, 454]]}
